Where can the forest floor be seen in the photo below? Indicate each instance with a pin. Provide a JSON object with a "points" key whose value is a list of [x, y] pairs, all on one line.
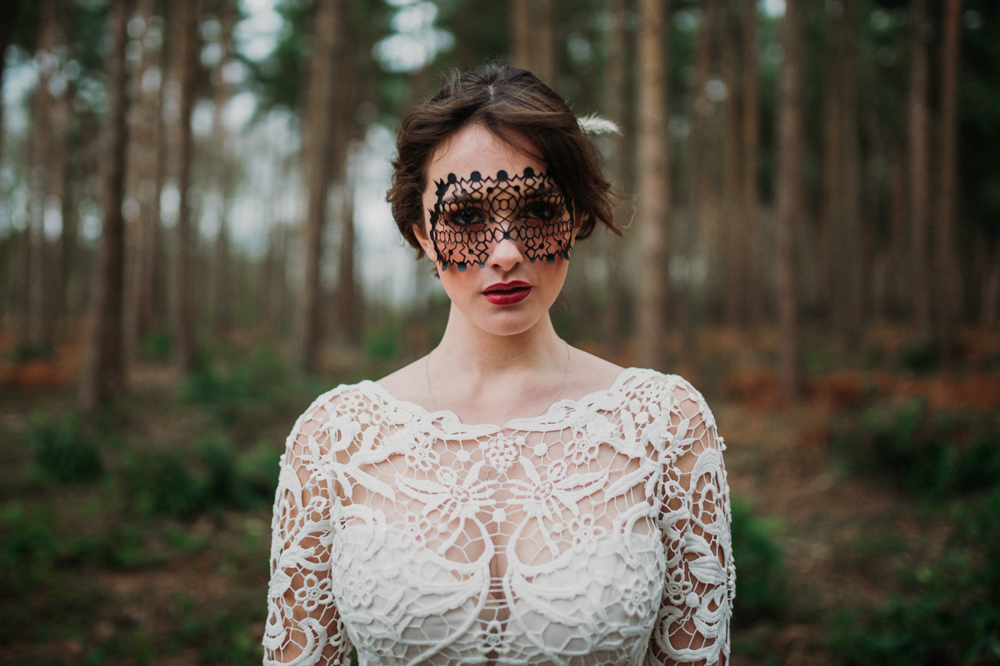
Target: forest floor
{"points": [[109, 566]]}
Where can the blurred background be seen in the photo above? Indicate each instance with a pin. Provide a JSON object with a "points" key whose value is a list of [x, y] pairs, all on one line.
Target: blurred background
{"points": [[194, 243]]}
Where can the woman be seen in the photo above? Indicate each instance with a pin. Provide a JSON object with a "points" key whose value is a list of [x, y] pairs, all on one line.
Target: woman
{"points": [[506, 499]]}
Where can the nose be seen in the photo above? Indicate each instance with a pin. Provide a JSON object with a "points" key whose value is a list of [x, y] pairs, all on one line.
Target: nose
{"points": [[505, 255]]}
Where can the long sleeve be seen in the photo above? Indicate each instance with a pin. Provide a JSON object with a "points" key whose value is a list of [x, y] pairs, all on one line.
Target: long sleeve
{"points": [[693, 622], [303, 625]]}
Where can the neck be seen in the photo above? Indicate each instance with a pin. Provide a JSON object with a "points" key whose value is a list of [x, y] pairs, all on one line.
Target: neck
{"points": [[478, 354]]}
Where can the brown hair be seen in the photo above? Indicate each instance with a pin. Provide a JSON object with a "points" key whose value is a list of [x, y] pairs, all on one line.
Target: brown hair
{"points": [[504, 100]]}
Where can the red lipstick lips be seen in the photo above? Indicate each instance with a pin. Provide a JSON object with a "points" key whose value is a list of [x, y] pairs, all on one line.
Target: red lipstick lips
{"points": [[507, 293]]}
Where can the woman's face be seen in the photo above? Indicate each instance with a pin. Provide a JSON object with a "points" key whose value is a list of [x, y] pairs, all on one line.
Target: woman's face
{"points": [[498, 228]]}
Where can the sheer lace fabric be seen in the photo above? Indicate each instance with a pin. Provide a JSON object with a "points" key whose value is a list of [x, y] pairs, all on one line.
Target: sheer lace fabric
{"points": [[595, 534]]}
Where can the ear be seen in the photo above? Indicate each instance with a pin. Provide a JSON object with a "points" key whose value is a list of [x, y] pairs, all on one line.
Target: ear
{"points": [[420, 231]]}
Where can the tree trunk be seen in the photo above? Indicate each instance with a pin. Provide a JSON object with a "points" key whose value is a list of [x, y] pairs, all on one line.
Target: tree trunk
{"points": [[348, 299], [186, 41], [734, 246], [533, 45], [789, 196], [222, 173], [751, 147], [703, 159], [39, 320], [851, 270], [143, 178], [8, 18], [653, 168], [614, 107], [919, 175], [948, 294], [103, 377], [318, 158]]}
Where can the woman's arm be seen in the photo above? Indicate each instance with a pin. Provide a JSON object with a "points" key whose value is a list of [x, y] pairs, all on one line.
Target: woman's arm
{"points": [[693, 623], [303, 626]]}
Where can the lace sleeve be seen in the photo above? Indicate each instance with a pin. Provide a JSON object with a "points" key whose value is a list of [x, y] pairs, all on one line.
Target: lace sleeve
{"points": [[693, 622], [303, 626]]}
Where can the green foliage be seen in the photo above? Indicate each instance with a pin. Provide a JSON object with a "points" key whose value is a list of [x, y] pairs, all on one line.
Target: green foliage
{"points": [[61, 450], [920, 357], [159, 483], [954, 615], [926, 454], [760, 576], [167, 483], [382, 344], [260, 384], [156, 346]]}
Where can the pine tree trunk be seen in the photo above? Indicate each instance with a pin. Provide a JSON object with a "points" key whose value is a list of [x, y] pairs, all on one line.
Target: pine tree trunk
{"points": [[949, 291], [733, 245], [8, 18], [533, 45], [789, 196], [919, 175], [703, 159], [186, 36], [318, 158], [141, 178], [653, 168], [39, 321], [349, 310], [751, 147], [830, 248], [103, 377], [222, 174], [348, 298], [614, 107]]}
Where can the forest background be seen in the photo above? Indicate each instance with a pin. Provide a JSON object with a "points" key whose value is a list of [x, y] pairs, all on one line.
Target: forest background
{"points": [[194, 243]]}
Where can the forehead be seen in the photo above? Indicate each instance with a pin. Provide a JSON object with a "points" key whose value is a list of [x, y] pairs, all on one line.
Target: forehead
{"points": [[475, 148]]}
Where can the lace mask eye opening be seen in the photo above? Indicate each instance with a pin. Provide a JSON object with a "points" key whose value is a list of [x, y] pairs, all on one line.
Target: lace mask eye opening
{"points": [[473, 214]]}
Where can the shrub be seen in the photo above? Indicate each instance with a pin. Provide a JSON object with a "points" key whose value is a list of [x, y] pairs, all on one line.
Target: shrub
{"points": [[242, 391], [760, 575], [927, 454], [62, 452], [168, 483], [953, 617]]}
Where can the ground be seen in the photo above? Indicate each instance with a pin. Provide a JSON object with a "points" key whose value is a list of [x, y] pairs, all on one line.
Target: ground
{"points": [[91, 578]]}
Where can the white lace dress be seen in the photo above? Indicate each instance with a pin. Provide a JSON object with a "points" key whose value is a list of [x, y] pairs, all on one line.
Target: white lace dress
{"points": [[595, 534]]}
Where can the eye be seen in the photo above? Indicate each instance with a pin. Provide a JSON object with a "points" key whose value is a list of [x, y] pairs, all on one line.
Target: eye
{"points": [[465, 217], [540, 210]]}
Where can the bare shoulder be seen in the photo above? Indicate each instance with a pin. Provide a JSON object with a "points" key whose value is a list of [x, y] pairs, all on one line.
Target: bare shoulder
{"points": [[409, 383], [589, 373]]}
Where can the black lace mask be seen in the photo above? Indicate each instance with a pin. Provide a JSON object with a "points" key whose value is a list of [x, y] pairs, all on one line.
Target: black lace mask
{"points": [[472, 214]]}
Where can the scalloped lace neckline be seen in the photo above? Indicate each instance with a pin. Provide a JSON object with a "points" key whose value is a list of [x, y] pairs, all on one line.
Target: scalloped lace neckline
{"points": [[519, 423]]}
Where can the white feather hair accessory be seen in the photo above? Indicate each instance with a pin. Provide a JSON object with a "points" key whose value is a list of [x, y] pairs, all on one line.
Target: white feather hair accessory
{"points": [[595, 124]]}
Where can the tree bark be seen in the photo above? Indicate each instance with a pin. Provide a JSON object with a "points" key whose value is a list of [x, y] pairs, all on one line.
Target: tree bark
{"points": [[318, 158], [733, 242], [653, 168], [143, 181], [39, 320], [919, 175], [751, 147], [186, 26], [614, 107], [949, 291], [789, 195], [704, 165], [533, 45], [103, 377], [8, 18], [222, 173]]}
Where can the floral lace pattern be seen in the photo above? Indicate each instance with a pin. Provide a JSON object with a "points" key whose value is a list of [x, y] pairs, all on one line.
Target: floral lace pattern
{"points": [[596, 534]]}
